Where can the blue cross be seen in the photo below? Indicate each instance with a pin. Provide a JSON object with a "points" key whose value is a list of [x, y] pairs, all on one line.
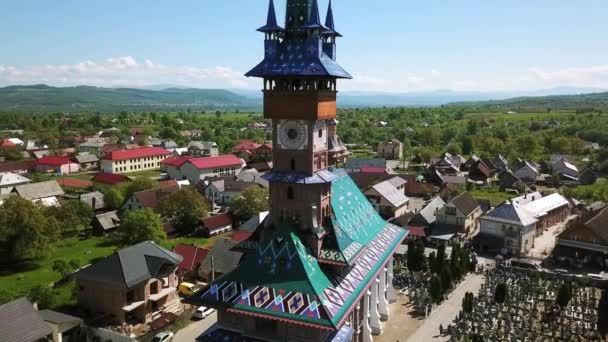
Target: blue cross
{"points": [[262, 297], [295, 303]]}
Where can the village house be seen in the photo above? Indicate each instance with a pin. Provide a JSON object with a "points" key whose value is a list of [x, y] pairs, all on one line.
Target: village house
{"points": [[528, 172], [95, 200], [500, 163], [587, 177], [65, 328], [45, 193], [216, 225], [141, 159], [479, 172], [225, 260], [19, 167], [87, 162], [585, 241], [366, 165], [251, 151], [149, 199], [192, 257], [221, 191], [8, 181], [462, 213], [196, 169], [19, 321], [508, 180], [203, 149], [391, 150], [130, 286], [56, 165], [388, 200], [416, 186], [564, 169], [427, 216], [105, 223], [517, 222], [94, 145]]}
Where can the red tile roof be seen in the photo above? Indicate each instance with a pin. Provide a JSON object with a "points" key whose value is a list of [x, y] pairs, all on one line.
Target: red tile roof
{"points": [[136, 153], [371, 169], [246, 145], [7, 143], [74, 183], [217, 221], [193, 256], [175, 161], [109, 178], [53, 161], [239, 236], [16, 166], [215, 162]]}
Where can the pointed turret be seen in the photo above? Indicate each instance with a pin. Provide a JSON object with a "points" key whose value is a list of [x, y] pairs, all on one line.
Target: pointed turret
{"points": [[329, 23], [314, 21], [271, 21]]}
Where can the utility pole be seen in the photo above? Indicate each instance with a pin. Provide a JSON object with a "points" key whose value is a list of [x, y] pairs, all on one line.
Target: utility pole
{"points": [[212, 268]]}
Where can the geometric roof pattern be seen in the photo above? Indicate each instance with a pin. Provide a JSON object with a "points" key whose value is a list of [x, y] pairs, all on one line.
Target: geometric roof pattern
{"points": [[282, 280]]}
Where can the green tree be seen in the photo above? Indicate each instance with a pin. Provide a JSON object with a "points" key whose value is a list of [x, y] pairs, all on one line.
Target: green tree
{"points": [[429, 136], [435, 290], [139, 184], [140, 225], [501, 293], [564, 295], [114, 196], [61, 267], [467, 303], [25, 230], [252, 201], [467, 145], [73, 215], [44, 295], [446, 279], [184, 209]]}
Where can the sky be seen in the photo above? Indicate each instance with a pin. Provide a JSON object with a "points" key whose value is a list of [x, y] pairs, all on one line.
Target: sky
{"points": [[388, 45]]}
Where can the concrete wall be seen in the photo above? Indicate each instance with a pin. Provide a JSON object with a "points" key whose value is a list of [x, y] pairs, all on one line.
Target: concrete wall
{"points": [[194, 175], [132, 165], [500, 229]]}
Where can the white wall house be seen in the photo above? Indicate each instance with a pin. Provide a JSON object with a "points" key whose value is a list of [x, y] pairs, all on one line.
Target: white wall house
{"points": [[513, 224], [141, 159], [196, 169]]}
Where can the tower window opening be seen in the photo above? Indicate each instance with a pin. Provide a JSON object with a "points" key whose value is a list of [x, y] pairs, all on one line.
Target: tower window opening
{"points": [[293, 164], [320, 133], [290, 194]]}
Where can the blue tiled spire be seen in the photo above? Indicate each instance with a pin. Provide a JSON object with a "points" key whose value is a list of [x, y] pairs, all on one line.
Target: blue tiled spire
{"points": [[271, 21], [329, 23], [314, 21]]}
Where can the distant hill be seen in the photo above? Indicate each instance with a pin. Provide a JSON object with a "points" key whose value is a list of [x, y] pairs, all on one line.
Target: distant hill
{"points": [[43, 98], [580, 101]]}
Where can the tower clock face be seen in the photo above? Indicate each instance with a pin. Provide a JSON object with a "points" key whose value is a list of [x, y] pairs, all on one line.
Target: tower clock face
{"points": [[292, 134]]}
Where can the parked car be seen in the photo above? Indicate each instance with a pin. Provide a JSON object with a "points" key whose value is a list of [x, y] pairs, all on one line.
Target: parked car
{"points": [[187, 289], [202, 312], [164, 336]]}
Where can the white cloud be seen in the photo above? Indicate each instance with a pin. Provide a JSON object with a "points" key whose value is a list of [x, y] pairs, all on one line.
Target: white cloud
{"points": [[435, 73], [124, 71], [596, 76]]}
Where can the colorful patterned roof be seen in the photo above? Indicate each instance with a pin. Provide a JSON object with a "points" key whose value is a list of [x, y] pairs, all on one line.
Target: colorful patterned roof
{"points": [[282, 280]]}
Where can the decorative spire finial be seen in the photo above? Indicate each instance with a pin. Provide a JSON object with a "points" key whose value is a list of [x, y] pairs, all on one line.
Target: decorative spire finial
{"points": [[271, 20]]}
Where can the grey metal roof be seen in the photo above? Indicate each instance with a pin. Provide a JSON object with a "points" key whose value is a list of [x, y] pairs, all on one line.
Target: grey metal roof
{"points": [[39, 190], [359, 163], [512, 212], [202, 145], [88, 199], [429, 211], [393, 195], [108, 220], [132, 265], [224, 258], [86, 158], [397, 181], [9, 178], [19, 322]]}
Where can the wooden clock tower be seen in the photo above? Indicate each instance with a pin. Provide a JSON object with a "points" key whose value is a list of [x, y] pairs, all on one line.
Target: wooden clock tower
{"points": [[300, 86]]}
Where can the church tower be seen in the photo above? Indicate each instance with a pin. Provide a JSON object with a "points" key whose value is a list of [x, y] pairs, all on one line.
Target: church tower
{"points": [[300, 76]]}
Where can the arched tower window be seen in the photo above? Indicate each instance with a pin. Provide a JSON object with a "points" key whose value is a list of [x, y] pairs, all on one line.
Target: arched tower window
{"points": [[293, 164], [290, 194]]}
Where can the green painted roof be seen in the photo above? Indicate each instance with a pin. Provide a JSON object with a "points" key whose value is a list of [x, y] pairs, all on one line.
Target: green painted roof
{"points": [[281, 279]]}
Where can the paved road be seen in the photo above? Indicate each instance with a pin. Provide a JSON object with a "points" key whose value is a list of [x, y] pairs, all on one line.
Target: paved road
{"points": [[447, 311], [194, 330]]}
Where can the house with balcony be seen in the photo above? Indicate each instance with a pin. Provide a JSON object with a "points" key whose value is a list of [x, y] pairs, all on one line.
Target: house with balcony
{"points": [[133, 285], [461, 213]]}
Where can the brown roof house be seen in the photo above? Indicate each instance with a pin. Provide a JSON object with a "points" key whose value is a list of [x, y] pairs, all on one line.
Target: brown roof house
{"points": [[131, 285], [216, 225], [20, 322], [586, 241], [149, 199], [462, 213]]}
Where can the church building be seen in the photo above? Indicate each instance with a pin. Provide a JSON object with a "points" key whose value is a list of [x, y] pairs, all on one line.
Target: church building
{"points": [[320, 266]]}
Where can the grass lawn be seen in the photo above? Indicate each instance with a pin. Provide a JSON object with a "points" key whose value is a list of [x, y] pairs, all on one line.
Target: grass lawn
{"points": [[19, 282], [495, 196], [525, 116], [147, 173]]}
